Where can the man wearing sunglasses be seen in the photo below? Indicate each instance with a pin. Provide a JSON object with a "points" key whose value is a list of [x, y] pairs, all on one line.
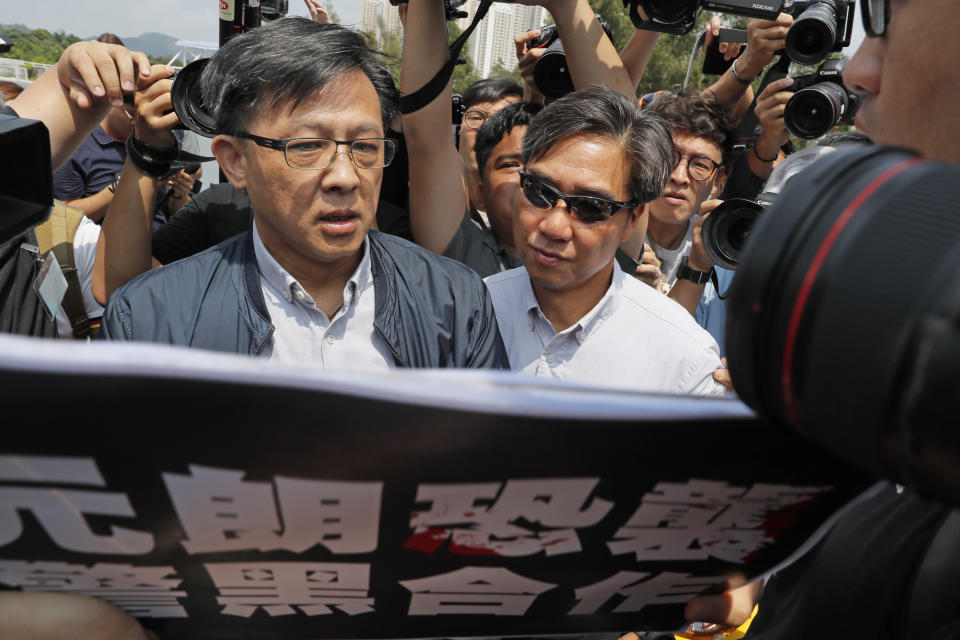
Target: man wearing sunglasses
{"points": [[303, 134], [591, 162]]}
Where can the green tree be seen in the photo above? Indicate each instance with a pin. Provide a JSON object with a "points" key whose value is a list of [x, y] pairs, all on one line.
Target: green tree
{"points": [[499, 71], [465, 74], [38, 45]]}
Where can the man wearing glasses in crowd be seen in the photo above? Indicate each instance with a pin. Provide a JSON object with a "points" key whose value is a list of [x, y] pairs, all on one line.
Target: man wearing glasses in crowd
{"points": [[592, 160], [303, 134]]}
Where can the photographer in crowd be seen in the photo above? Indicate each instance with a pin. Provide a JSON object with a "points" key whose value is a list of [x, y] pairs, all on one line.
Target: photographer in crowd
{"points": [[310, 281]]}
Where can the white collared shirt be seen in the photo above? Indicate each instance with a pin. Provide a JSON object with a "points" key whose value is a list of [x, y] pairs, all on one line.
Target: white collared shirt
{"points": [[634, 338], [303, 333]]}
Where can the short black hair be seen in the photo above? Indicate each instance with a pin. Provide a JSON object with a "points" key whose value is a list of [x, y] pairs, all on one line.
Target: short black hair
{"points": [[696, 114], [491, 90], [499, 125], [289, 59], [643, 136]]}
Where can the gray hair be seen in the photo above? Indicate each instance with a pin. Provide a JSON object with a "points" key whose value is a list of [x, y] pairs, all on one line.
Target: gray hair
{"points": [[288, 60], [643, 137]]}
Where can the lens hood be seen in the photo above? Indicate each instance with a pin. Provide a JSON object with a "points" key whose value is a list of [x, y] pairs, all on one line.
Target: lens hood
{"points": [[844, 318], [550, 73], [813, 35], [187, 100], [813, 111], [726, 229]]}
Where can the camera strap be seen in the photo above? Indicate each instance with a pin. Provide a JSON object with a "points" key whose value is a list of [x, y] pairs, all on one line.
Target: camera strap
{"points": [[426, 94]]}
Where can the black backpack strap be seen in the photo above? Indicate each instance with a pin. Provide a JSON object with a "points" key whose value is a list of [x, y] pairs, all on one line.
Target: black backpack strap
{"points": [[426, 94]]}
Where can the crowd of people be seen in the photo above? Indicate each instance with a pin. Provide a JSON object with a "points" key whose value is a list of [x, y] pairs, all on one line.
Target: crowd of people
{"points": [[562, 240]]}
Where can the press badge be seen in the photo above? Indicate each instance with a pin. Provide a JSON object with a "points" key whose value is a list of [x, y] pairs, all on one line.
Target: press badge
{"points": [[50, 285]]}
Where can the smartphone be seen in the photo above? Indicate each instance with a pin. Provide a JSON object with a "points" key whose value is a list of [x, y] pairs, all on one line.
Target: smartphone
{"points": [[713, 62]]}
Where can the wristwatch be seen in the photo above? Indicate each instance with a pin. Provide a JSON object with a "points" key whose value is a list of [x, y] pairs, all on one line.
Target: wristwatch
{"points": [[686, 273]]}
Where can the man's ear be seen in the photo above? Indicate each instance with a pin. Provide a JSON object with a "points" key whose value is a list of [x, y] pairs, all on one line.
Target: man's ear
{"points": [[719, 182], [229, 153], [637, 222]]}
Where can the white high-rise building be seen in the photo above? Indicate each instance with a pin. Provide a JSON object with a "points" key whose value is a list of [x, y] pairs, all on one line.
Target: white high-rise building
{"points": [[379, 17], [492, 41]]}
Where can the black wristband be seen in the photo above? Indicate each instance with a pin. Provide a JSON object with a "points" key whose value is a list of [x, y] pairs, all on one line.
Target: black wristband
{"points": [[149, 161], [754, 149]]}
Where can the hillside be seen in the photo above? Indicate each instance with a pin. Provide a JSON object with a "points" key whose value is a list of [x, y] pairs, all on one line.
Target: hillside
{"points": [[40, 45]]}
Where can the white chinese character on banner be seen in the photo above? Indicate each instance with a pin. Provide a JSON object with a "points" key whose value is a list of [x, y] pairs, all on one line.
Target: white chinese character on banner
{"points": [[474, 590], [220, 511], [663, 588], [282, 588], [61, 511], [702, 519], [145, 592], [527, 517]]}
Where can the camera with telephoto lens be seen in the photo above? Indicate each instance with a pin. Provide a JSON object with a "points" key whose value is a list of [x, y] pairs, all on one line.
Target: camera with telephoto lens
{"points": [[550, 73], [819, 27], [727, 228], [820, 101], [679, 16], [843, 321]]}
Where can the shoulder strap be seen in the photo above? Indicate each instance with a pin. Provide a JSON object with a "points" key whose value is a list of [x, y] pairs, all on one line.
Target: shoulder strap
{"points": [[56, 234]]}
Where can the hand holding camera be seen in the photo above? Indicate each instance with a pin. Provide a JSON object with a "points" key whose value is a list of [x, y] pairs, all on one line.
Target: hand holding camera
{"points": [[155, 118], [764, 39]]}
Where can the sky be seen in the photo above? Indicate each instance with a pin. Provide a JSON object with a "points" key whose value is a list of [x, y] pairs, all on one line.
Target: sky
{"points": [[195, 20]]}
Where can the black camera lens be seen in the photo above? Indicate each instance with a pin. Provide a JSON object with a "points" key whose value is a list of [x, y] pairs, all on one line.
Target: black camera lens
{"points": [[813, 34], [844, 319], [670, 11], [550, 73], [812, 112], [726, 230], [187, 100]]}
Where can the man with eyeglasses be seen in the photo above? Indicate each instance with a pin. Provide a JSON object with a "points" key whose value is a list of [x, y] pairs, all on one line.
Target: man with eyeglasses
{"points": [[303, 134], [700, 129], [591, 162]]}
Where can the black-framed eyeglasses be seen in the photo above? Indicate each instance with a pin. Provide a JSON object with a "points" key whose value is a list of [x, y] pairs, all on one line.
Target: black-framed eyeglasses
{"points": [[319, 153], [699, 168], [587, 209], [876, 16]]}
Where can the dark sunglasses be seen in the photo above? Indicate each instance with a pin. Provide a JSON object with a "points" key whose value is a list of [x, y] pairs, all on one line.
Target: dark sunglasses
{"points": [[587, 209], [876, 16]]}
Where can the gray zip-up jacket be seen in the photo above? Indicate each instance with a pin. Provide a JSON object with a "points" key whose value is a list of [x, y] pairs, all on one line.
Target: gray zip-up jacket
{"points": [[430, 311]]}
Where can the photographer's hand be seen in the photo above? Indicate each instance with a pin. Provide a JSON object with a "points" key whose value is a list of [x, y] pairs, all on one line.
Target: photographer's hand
{"points": [[769, 110], [764, 39], [730, 50], [317, 12], [687, 292], [124, 249], [649, 270], [527, 60], [73, 96], [591, 56], [155, 116]]}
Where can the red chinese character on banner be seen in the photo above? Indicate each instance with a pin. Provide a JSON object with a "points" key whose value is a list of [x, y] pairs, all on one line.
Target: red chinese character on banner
{"points": [[521, 518]]}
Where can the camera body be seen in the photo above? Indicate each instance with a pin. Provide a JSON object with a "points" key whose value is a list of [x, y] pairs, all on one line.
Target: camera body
{"points": [[820, 101], [550, 73], [679, 16], [819, 27]]}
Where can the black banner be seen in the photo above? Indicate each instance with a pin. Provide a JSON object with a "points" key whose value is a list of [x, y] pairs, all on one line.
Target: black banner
{"points": [[216, 496]]}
